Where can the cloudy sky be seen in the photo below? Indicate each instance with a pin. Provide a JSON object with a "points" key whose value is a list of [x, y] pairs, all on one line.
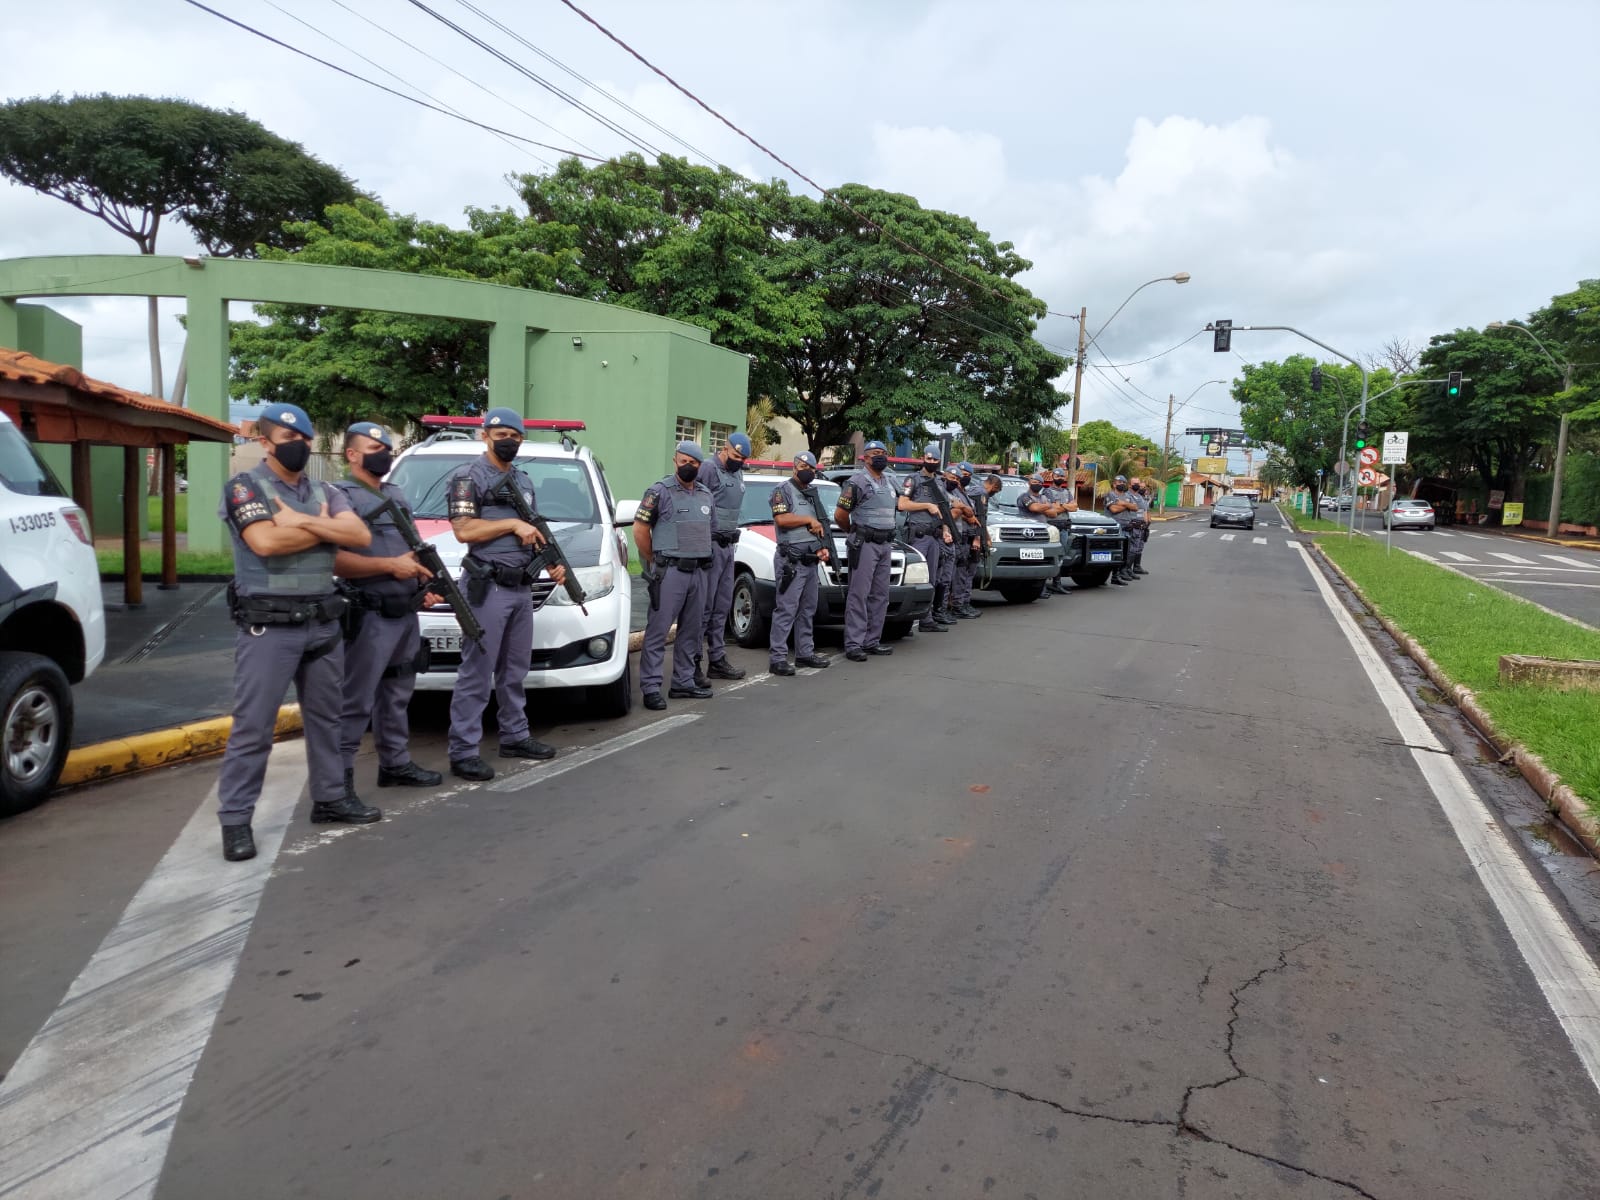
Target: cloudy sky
{"points": [[1361, 171]]}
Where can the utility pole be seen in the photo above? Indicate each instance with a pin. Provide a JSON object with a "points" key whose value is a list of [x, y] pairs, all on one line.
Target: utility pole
{"points": [[1077, 396]]}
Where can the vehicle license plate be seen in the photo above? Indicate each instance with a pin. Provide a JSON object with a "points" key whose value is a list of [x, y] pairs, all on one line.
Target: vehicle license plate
{"points": [[1032, 553], [444, 642], [1100, 556]]}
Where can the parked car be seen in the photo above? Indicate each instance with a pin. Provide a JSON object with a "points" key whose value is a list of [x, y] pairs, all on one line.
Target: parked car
{"points": [[1409, 514], [570, 650], [1329, 503], [1024, 553], [1236, 512], [755, 580], [1095, 547], [52, 620]]}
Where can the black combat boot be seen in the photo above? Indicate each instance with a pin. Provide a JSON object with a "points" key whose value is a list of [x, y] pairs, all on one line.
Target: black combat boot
{"points": [[700, 677], [238, 843], [346, 810], [1117, 578], [1138, 564]]}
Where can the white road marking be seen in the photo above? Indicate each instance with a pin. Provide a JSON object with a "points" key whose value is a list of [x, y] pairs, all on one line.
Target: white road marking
{"points": [[1442, 533], [88, 1109], [522, 780], [1168, 533], [1458, 557], [1227, 537], [1198, 533], [1482, 537], [1558, 961], [1511, 558], [1572, 562], [1292, 544], [1260, 541], [1539, 582]]}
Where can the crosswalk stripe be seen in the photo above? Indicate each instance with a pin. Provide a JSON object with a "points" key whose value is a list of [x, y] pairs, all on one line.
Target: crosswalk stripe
{"points": [[1511, 558], [1459, 557], [1168, 533], [1482, 537], [1442, 533], [1292, 544], [1198, 533], [1227, 537], [1572, 562], [1259, 541]]}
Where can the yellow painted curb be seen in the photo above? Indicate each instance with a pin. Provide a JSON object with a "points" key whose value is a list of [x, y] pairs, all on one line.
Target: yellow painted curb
{"points": [[160, 748]]}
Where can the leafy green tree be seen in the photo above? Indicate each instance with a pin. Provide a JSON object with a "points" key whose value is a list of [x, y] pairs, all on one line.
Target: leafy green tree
{"points": [[1570, 326], [1102, 437], [134, 161]]}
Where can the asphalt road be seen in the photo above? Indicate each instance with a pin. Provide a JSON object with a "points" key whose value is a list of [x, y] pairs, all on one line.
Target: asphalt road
{"points": [[1562, 578], [1140, 893]]}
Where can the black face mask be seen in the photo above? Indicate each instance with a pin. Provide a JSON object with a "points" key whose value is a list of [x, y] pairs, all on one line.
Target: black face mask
{"points": [[688, 471], [378, 462], [930, 467], [804, 475], [1036, 488], [878, 462], [292, 456], [505, 449], [736, 464]]}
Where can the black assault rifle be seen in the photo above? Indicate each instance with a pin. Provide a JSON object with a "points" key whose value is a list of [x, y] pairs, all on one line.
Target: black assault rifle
{"points": [[552, 554], [427, 554]]}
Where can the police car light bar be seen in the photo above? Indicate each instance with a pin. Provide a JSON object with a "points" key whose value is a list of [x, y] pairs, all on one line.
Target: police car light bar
{"points": [[767, 463], [440, 421]]}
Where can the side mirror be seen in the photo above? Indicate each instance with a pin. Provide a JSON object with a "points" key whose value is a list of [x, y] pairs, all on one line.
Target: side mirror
{"points": [[625, 512]]}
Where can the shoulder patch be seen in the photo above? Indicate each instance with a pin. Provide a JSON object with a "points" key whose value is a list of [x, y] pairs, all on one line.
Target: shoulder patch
{"points": [[246, 502], [464, 499]]}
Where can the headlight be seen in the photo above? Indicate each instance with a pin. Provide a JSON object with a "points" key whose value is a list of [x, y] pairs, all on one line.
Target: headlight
{"points": [[1054, 534], [596, 581], [917, 573]]}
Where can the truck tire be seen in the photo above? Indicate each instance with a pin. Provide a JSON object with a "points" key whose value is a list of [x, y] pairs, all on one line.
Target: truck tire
{"points": [[1092, 579], [1022, 593], [746, 622], [615, 699], [35, 728]]}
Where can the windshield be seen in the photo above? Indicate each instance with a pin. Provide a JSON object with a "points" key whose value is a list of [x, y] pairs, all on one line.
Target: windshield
{"points": [[757, 506], [561, 488], [21, 470], [1234, 502]]}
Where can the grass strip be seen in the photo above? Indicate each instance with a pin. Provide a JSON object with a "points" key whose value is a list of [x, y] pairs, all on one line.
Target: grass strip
{"points": [[1306, 523], [190, 562], [1466, 626], [180, 510]]}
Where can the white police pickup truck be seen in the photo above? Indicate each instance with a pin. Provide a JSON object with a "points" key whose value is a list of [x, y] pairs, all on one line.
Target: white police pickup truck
{"points": [[52, 620], [570, 649]]}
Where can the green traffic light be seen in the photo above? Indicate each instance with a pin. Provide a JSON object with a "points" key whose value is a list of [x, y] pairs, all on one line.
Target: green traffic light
{"points": [[1360, 444]]}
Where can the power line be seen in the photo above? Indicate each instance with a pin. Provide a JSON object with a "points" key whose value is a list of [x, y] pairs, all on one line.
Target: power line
{"points": [[479, 84], [251, 29], [589, 83], [1140, 361], [628, 136]]}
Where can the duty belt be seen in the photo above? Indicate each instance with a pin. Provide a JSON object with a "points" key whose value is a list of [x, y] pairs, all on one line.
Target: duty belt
{"points": [[284, 610], [387, 606], [806, 558], [876, 536], [686, 564], [726, 539], [504, 574]]}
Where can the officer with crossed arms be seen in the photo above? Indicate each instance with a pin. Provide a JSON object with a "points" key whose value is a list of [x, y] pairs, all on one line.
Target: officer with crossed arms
{"points": [[802, 531]]}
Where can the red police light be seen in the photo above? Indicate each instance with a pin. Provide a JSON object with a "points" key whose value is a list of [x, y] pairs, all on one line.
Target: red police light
{"points": [[441, 421]]}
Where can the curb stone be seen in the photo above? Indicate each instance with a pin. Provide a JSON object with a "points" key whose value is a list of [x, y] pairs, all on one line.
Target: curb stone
{"points": [[1566, 804]]}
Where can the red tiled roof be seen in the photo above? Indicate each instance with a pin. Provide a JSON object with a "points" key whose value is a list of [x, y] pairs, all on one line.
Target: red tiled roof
{"points": [[65, 405]]}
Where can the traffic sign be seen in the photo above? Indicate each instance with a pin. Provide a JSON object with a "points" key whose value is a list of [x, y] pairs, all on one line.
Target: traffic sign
{"points": [[1369, 456], [1341, 467], [1394, 447], [1367, 477]]}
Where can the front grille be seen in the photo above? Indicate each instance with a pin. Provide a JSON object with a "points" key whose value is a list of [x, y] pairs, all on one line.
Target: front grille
{"points": [[541, 592], [1024, 533]]}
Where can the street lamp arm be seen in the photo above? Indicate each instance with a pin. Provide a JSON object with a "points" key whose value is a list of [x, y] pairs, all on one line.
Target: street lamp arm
{"points": [[1180, 277]]}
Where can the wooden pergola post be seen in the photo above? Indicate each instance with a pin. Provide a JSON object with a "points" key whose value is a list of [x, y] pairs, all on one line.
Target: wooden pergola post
{"points": [[132, 497], [83, 482], [169, 517]]}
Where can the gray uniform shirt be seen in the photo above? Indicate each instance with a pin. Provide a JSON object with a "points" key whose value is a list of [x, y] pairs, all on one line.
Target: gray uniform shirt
{"points": [[871, 502], [789, 497], [470, 487], [727, 492], [1031, 497], [681, 519], [1125, 517], [923, 488], [387, 541], [248, 498]]}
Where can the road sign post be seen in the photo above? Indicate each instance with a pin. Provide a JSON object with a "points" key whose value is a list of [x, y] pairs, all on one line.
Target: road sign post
{"points": [[1394, 454]]}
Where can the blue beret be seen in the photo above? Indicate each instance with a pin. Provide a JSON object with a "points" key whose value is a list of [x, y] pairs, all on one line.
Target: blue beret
{"points": [[1120, 479], [290, 416], [740, 443], [1036, 478], [874, 445], [376, 432], [499, 418], [931, 448], [692, 449], [966, 468], [805, 459]]}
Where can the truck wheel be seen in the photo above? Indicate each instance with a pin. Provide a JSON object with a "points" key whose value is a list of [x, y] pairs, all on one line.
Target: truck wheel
{"points": [[615, 699], [35, 728], [1092, 579], [746, 622], [1021, 593]]}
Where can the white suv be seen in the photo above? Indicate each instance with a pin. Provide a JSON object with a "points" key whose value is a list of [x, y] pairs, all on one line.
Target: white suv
{"points": [[52, 620], [570, 491]]}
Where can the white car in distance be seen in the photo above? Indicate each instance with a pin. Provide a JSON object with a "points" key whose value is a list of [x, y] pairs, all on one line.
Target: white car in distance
{"points": [[570, 650]]}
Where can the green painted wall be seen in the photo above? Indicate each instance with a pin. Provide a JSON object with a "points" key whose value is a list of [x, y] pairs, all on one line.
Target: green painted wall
{"points": [[655, 369]]}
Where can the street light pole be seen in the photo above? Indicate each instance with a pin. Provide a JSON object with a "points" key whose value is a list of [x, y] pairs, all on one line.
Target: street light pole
{"points": [[1559, 469]]}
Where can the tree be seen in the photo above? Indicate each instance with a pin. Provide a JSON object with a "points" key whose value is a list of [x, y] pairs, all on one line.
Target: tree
{"points": [[1570, 325], [1102, 437], [133, 161]]}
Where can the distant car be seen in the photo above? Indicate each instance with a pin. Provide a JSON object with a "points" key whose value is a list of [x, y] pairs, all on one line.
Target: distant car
{"points": [[1234, 511], [1409, 514], [1329, 503]]}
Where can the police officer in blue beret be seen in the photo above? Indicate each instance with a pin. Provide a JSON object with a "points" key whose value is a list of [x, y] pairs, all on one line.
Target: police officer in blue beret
{"points": [[286, 531], [497, 577], [723, 473], [920, 497], [1124, 510], [385, 586], [803, 542], [866, 511], [674, 530]]}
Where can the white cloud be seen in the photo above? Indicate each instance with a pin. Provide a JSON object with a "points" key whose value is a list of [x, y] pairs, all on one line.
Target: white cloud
{"points": [[944, 169]]}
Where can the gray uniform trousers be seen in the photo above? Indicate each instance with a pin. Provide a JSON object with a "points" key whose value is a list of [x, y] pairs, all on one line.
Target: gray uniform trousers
{"points": [[379, 675], [1137, 532], [796, 610], [941, 559], [499, 663], [264, 664], [867, 596], [718, 602], [966, 566], [683, 601]]}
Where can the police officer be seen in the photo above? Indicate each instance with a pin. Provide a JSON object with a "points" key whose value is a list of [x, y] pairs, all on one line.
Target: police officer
{"points": [[286, 530], [385, 583], [1040, 503], [958, 594], [920, 496], [497, 577], [1140, 491], [866, 512], [673, 530], [802, 530], [722, 473], [1060, 490], [979, 491], [1120, 507]]}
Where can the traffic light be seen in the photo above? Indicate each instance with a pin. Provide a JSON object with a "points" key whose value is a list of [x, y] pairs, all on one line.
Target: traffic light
{"points": [[1222, 338], [1362, 432], [1452, 387], [1316, 379]]}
